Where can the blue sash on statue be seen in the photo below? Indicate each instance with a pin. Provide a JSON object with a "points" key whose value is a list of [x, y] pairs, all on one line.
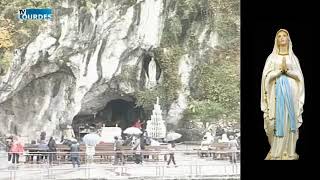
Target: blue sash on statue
{"points": [[284, 100]]}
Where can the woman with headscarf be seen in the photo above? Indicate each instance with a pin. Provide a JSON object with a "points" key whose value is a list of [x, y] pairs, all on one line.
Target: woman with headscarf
{"points": [[282, 98]]}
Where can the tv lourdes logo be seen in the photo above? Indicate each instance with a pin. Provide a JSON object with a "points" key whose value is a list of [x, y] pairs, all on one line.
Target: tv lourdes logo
{"points": [[35, 14]]}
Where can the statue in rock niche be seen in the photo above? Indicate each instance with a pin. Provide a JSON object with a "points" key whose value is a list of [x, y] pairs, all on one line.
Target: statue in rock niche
{"points": [[152, 72]]}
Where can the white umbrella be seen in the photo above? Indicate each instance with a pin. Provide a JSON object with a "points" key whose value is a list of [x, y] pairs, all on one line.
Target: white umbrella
{"points": [[173, 136], [154, 143], [91, 139], [133, 131], [73, 139]]}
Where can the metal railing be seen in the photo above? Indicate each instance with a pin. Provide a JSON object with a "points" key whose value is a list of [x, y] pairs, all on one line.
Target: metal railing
{"points": [[87, 172], [62, 156], [157, 169]]}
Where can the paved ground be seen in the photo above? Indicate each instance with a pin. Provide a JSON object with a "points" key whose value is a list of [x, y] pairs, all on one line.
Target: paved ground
{"points": [[189, 167]]}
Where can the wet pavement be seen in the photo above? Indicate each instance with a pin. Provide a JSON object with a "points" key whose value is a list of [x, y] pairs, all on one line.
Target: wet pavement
{"points": [[188, 167]]}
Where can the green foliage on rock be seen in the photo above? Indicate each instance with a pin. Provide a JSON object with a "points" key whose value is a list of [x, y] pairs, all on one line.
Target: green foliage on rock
{"points": [[128, 2], [167, 55], [129, 75], [5, 61], [125, 5], [218, 80], [205, 110], [171, 33], [168, 59], [216, 83], [215, 80], [15, 32], [146, 98], [211, 94], [225, 18], [169, 63]]}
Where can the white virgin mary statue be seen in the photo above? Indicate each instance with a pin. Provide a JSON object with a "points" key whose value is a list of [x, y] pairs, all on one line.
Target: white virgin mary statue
{"points": [[282, 99], [152, 72]]}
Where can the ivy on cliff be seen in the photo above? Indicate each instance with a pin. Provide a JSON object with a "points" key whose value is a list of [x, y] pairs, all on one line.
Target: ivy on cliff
{"points": [[147, 97], [129, 75], [168, 55], [216, 84], [15, 33], [215, 80], [168, 59], [208, 84], [205, 110]]}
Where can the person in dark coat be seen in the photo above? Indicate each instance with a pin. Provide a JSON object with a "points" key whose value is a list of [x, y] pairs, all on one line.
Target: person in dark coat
{"points": [[8, 147], [43, 151], [75, 153], [171, 149], [52, 150]]}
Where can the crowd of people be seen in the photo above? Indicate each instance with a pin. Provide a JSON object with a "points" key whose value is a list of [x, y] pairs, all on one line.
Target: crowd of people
{"points": [[48, 148], [15, 148], [232, 140]]}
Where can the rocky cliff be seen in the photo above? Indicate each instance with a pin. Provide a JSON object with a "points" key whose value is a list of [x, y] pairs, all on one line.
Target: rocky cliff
{"points": [[97, 51]]}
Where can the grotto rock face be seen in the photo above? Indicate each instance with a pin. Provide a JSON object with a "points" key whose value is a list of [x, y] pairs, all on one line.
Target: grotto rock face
{"points": [[71, 67], [77, 62]]}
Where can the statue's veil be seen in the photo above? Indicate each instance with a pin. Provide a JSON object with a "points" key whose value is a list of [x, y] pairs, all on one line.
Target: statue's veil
{"points": [[292, 56]]}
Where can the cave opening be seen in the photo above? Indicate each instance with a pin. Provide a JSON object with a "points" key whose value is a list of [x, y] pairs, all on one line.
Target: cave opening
{"points": [[119, 113], [116, 113]]}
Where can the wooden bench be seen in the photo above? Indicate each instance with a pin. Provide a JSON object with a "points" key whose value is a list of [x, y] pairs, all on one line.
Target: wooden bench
{"points": [[63, 151], [103, 151], [216, 150], [33, 150], [106, 151], [155, 152], [220, 146], [221, 150]]}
